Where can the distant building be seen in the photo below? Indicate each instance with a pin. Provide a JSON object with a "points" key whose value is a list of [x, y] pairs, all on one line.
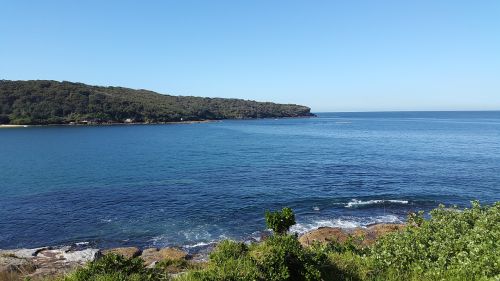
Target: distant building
{"points": [[129, 120]]}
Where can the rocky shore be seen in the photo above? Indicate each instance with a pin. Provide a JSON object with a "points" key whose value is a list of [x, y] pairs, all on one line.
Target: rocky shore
{"points": [[45, 262]]}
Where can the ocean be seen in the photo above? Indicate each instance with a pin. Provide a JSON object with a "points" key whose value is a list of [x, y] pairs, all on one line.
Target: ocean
{"points": [[191, 185]]}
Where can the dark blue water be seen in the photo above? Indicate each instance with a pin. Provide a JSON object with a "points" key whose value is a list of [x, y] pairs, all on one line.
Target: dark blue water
{"points": [[158, 185]]}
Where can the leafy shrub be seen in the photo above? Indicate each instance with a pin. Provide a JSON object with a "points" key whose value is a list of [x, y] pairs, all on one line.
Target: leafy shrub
{"points": [[451, 243], [228, 250], [281, 257], [280, 221], [114, 267], [229, 261]]}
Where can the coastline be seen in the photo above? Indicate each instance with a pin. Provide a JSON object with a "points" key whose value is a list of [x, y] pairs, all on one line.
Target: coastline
{"points": [[13, 126], [6, 126], [55, 261]]}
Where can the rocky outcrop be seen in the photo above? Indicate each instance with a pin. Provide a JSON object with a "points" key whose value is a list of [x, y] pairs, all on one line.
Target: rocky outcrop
{"points": [[126, 252], [362, 236], [369, 235], [323, 235], [42, 262], [153, 255], [39, 263]]}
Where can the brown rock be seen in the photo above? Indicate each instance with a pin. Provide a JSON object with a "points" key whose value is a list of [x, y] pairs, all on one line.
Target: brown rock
{"points": [[323, 235], [152, 255], [373, 232], [13, 264], [126, 252]]}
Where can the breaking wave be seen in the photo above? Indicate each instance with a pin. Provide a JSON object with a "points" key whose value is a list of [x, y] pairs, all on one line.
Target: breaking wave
{"points": [[354, 203], [344, 222]]}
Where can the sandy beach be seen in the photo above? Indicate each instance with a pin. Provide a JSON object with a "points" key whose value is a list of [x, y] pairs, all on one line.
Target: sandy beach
{"points": [[13, 126]]}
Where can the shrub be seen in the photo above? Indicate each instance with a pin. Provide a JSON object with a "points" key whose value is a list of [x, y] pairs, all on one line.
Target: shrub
{"points": [[4, 119], [451, 243], [228, 250], [114, 267], [280, 221], [228, 261], [282, 257]]}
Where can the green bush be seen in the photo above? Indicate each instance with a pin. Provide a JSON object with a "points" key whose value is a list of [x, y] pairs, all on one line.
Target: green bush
{"points": [[228, 250], [281, 257], [280, 221], [230, 262], [451, 243], [114, 267]]}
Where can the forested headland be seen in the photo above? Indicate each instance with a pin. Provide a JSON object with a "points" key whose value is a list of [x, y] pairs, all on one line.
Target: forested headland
{"points": [[42, 102]]}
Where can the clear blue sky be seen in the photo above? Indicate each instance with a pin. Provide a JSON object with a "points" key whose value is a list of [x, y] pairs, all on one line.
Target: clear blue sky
{"points": [[330, 55]]}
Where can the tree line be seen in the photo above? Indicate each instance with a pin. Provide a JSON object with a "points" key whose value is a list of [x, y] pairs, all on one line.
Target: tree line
{"points": [[51, 102]]}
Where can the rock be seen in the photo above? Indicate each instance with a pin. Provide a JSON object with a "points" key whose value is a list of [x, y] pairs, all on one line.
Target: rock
{"points": [[152, 255], [13, 264], [82, 256], [21, 253], [373, 232], [57, 262], [126, 252], [323, 235], [362, 236]]}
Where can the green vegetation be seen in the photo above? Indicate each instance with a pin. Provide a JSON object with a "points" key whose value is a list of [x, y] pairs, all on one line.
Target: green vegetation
{"points": [[280, 221], [452, 245], [52, 102]]}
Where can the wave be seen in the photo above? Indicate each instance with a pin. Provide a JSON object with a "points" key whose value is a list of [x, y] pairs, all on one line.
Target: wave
{"points": [[345, 222], [200, 245], [354, 203]]}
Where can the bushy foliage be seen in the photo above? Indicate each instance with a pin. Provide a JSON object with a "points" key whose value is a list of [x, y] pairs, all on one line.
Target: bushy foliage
{"points": [[278, 258], [52, 102], [280, 221], [281, 257], [114, 267], [452, 242], [452, 245], [229, 261]]}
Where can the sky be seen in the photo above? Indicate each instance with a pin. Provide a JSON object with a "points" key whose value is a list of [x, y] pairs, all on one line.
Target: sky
{"points": [[350, 55]]}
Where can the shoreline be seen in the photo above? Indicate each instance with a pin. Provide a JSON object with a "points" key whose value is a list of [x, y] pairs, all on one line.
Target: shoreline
{"points": [[6, 126], [107, 124], [53, 261]]}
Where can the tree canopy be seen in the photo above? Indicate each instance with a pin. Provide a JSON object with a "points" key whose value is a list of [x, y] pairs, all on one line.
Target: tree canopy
{"points": [[53, 102]]}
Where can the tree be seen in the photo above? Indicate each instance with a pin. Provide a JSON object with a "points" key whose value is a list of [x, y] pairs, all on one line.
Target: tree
{"points": [[280, 221]]}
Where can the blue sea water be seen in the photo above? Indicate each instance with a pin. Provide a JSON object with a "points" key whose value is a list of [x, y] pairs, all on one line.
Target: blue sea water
{"points": [[192, 184]]}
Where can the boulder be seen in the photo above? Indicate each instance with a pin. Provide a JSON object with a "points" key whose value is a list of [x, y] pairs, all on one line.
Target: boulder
{"points": [[153, 255], [323, 235], [57, 262], [12, 264], [21, 253], [126, 252], [375, 231]]}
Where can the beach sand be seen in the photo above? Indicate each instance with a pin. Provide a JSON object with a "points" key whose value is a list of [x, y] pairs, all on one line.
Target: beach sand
{"points": [[13, 126]]}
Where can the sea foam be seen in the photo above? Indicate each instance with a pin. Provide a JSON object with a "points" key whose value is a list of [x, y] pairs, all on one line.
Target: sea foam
{"points": [[359, 203], [344, 222]]}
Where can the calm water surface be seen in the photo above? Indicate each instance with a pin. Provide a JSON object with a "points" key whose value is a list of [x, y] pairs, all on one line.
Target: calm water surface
{"points": [[190, 185]]}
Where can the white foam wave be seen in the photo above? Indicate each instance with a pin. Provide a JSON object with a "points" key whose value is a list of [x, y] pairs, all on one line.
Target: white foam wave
{"points": [[82, 243], [199, 245], [356, 203], [346, 223]]}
